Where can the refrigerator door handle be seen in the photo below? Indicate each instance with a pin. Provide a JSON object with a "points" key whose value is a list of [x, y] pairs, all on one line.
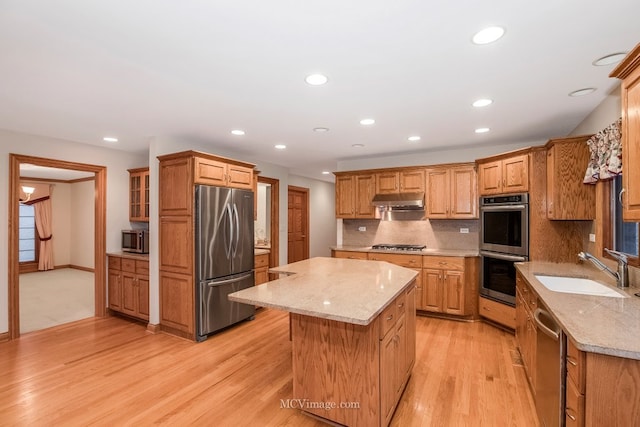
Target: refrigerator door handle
{"points": [[232, 280], [237, 222], [229, 248]]}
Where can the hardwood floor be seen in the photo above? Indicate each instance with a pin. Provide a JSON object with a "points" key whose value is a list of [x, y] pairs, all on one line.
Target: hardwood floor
{"points": [[112, 372]]}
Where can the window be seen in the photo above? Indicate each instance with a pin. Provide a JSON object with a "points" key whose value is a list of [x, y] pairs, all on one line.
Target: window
{"points": [[624, 235], [27, 234]]}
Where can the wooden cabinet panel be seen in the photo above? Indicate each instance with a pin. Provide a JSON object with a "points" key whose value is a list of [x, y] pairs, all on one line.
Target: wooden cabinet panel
{"points": [[576, 366], [410, 353], [443, 262], [629, 71], [349, 254], [365, 190], [453, 295], [499, 313], [139, 195], [574, 406], [404, 260], [432, 290], [176, 187], [128, 282], [177, 306], [345, 196], [412, 181], [240, 177], [387, 182], [210, 172], [261, 266], [510, 175], [568, 198], [452, 193], [176, 244]]}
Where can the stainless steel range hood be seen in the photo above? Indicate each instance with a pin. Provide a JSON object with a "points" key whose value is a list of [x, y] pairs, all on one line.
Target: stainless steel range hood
{"points": [[401, 201], [399, 206]]}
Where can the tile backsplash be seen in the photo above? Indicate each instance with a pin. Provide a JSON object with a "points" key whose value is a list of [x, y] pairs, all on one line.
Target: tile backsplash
{"points": [[436, 234]]}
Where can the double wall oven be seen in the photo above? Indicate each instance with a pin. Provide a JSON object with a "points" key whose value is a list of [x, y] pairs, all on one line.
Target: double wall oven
{"points": [[504, 240]]}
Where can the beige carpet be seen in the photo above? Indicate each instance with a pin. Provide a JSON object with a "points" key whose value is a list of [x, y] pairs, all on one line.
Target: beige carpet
{"points": [[54, 297]]}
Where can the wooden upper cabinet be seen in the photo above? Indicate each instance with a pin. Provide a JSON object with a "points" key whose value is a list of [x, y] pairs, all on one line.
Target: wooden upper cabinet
{"points": [[139, 194], [175, 178], [354, 193], [403, 181], [567, 196], [220, 173], [508, 175], [629, 72], [387, 182], [412, 181], [451, 193]]}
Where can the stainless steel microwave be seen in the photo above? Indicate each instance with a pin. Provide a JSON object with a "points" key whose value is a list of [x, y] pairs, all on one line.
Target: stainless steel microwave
{"points": [[135, 241]]}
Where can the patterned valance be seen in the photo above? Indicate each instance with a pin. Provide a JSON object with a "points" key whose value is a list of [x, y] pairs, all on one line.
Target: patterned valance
{"points": [[606, 154]]}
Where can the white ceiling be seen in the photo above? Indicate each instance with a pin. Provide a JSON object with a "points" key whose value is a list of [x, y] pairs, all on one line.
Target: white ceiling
{"points": [[194, 70]]}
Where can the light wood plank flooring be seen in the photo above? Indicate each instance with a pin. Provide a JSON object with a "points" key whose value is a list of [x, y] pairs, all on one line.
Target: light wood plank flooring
{"points": [[112, 372]]}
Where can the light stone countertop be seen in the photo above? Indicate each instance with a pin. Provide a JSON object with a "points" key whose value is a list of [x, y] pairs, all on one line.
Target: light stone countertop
{"points": [[260, 251], [596, 324], [427, 251], [346, 290], [131, 255]]}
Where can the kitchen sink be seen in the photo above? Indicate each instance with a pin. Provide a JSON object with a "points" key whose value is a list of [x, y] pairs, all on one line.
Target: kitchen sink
{"points": [[577, 285]]}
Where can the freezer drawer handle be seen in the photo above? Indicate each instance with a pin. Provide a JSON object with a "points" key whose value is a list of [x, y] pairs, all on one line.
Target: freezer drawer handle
{"points": [[547, 331], [224, 282]]}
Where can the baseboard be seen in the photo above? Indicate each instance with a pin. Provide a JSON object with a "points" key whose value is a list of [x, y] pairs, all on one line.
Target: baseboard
{"points": [[78, 267], [154, 329], [4, 336]]}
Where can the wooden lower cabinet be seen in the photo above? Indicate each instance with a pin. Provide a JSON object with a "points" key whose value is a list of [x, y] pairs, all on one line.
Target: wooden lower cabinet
{"points": [[177, 303], [261, 268], [348, 254], [526, 329], [338, 362], [128, 281], [498, 312], [449, 285], [601, 390]]}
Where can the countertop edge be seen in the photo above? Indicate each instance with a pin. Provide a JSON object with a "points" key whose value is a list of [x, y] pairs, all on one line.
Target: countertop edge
{"points": [[464, 253]]}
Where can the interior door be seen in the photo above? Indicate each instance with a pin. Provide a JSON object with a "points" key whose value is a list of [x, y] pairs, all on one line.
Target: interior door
{"points": [[298, 235]]}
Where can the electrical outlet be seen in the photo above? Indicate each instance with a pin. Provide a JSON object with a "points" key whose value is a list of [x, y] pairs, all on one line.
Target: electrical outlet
{"points": [[464, 230], [362, 228], [592, 237]]}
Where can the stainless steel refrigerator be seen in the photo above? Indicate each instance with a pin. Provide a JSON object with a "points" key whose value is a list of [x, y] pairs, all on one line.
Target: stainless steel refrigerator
{"points": [[224, 256]]}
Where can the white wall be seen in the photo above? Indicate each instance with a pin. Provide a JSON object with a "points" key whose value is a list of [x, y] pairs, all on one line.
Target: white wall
{"points": [[117, 163], [82, 217], [609, 110], [322, 222]]}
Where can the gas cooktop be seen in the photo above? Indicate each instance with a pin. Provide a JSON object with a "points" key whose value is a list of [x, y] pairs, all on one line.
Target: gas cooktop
{"points": [[392, 247]]}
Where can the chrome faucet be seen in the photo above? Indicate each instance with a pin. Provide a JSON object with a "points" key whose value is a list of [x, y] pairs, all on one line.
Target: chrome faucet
{"points": [[621, 276]]}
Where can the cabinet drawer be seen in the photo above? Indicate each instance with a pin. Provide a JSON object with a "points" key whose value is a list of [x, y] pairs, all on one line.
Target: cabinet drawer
{"points": [[443, 262], [500, 313], [574, 406], [129, 265], [411, 261], [350, 254], [115, 263], [575, 366], [142, 267], [261, 260], [388, 318]]}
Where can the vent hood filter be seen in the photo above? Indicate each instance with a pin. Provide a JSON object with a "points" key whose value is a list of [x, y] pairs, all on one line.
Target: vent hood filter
{"points": [[399, 201]]}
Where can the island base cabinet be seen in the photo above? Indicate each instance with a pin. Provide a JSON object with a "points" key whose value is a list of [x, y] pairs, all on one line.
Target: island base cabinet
{"points": [[360, 371]]}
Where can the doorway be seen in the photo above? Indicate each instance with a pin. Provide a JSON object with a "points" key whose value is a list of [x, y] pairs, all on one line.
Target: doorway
{"points": [[298, 224], [272, 215], [15, 160]]}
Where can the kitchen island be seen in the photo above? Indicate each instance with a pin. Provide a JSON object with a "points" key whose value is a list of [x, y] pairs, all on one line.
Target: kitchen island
{"points": [[352, 333]]}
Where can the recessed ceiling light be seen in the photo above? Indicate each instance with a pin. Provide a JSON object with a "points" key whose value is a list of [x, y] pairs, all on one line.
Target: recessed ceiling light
{"points": [[316, 79], [321, 129], [367, 122], [110, 139], [237, 132], [357, 145], [414, 138], [488, 35], [482, 130], [325, 172], [614, 58], [482, 102], [582, 92], [280, 146]]}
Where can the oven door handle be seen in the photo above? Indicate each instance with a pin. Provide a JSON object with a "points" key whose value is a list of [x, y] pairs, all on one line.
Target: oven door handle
{"points": [[505, 257], [503, 208]]}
